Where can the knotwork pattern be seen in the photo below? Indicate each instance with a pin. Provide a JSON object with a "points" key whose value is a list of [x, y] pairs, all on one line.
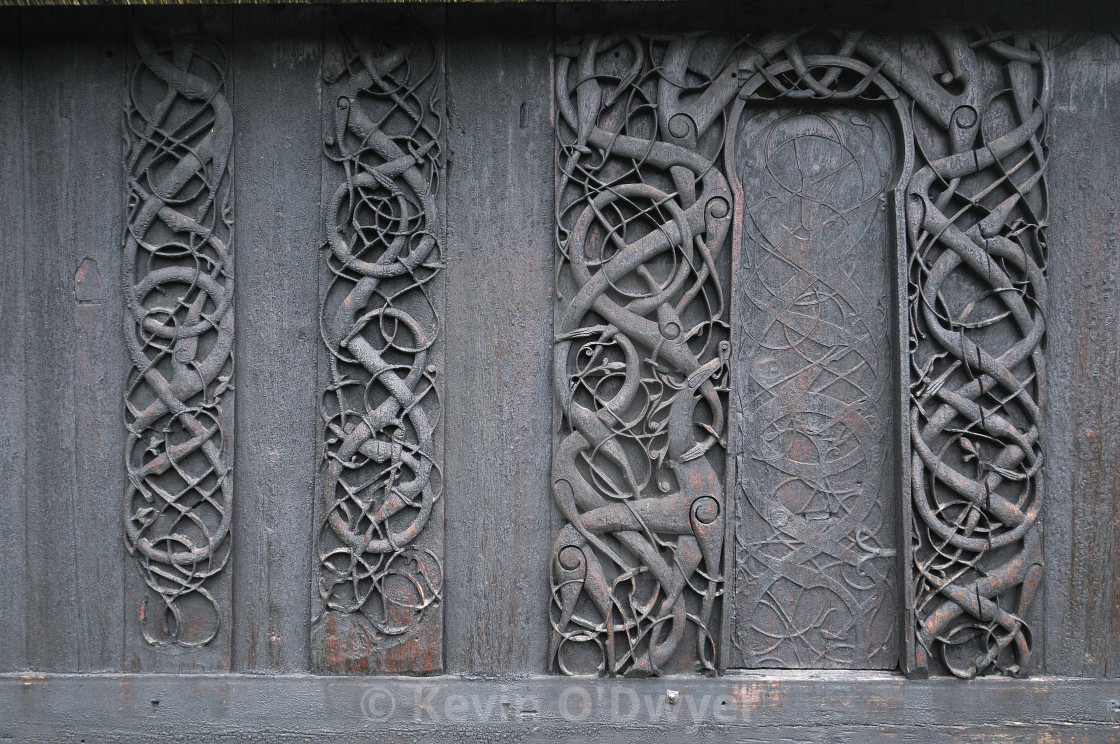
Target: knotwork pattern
{"points": [[380, 321], [975, 214], [649, 192], [177, 273], [643, 214], [817, 524]]}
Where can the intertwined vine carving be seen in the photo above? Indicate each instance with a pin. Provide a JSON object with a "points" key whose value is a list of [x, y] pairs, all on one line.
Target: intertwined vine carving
{"points": [[976, 209], [641, 345], [178, 289], [648, 192], [381, 483]]}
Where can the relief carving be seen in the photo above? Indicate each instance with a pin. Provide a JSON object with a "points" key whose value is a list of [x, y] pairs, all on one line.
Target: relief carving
{"points": [[651, 207], [380, 577], [640, 379], [817, 527], [177, 276]]}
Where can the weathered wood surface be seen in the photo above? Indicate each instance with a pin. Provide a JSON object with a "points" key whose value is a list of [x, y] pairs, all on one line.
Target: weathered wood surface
{"points": [[62, 360], [1082, 547], [13, 353], [73, 75], [794, 708], [276, 71], [499, 332]]}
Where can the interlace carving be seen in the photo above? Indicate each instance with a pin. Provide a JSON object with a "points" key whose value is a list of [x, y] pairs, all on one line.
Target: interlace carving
{"points": [[816, 528], [648, 189], [640, 373], [178, 287], [976, 210], [381, 481]]}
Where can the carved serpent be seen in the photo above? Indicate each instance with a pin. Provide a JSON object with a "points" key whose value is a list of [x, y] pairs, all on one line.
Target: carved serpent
{"points": [[380, 480], [643, 212], [177, 273]]}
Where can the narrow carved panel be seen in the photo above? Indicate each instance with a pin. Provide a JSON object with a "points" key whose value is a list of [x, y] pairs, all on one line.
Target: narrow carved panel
{"points": [[976, 210], [655, 163], [379, 527], [640, 379], [178, 288], [817, 529]]}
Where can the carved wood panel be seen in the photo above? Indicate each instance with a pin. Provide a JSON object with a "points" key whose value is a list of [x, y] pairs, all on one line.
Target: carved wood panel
{"points": [[639, 368], [649, 202], [177, 280], [379, 572], [817, 528]]}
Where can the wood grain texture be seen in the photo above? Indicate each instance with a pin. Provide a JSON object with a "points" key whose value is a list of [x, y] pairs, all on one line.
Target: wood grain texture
{"points": [[62, 364], [213, 24], [499, 310], [277, 150], [72, 81], [13, 359], [1082, 518], [791, 709]]}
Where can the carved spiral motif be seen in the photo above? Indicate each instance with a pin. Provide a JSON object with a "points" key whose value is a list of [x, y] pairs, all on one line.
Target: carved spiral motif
{"points": [[380, 480], [178, 288], [643, 216], [646, 181], [975, 212]]}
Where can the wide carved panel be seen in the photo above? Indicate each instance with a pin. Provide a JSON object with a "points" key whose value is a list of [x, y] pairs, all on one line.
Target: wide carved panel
{"points": [[798, 356]]}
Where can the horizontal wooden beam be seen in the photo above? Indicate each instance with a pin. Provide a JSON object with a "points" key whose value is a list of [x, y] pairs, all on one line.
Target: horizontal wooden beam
{"points": [[797, 707]]}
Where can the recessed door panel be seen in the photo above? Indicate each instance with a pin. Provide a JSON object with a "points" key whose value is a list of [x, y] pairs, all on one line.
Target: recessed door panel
{"points": [[815, 537]]}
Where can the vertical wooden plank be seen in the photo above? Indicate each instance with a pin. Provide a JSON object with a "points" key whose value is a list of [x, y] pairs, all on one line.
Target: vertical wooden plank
{"points": [[178, 275], [277, 146], [500, 247], [1082, 518], [98, 73], [13, 362], [72, 82], [379, 507], [52, 571]]}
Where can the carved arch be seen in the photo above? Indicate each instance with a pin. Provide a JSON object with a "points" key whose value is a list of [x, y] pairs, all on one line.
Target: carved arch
{"points": [[645, 172]]}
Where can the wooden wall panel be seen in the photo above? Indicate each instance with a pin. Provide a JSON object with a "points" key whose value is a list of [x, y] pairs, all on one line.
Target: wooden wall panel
{"points": [[13, 357], [182, 480], [62, 79], [73, 78], [378, 573], [277, 147], [499, 338], [1082, 518]]}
